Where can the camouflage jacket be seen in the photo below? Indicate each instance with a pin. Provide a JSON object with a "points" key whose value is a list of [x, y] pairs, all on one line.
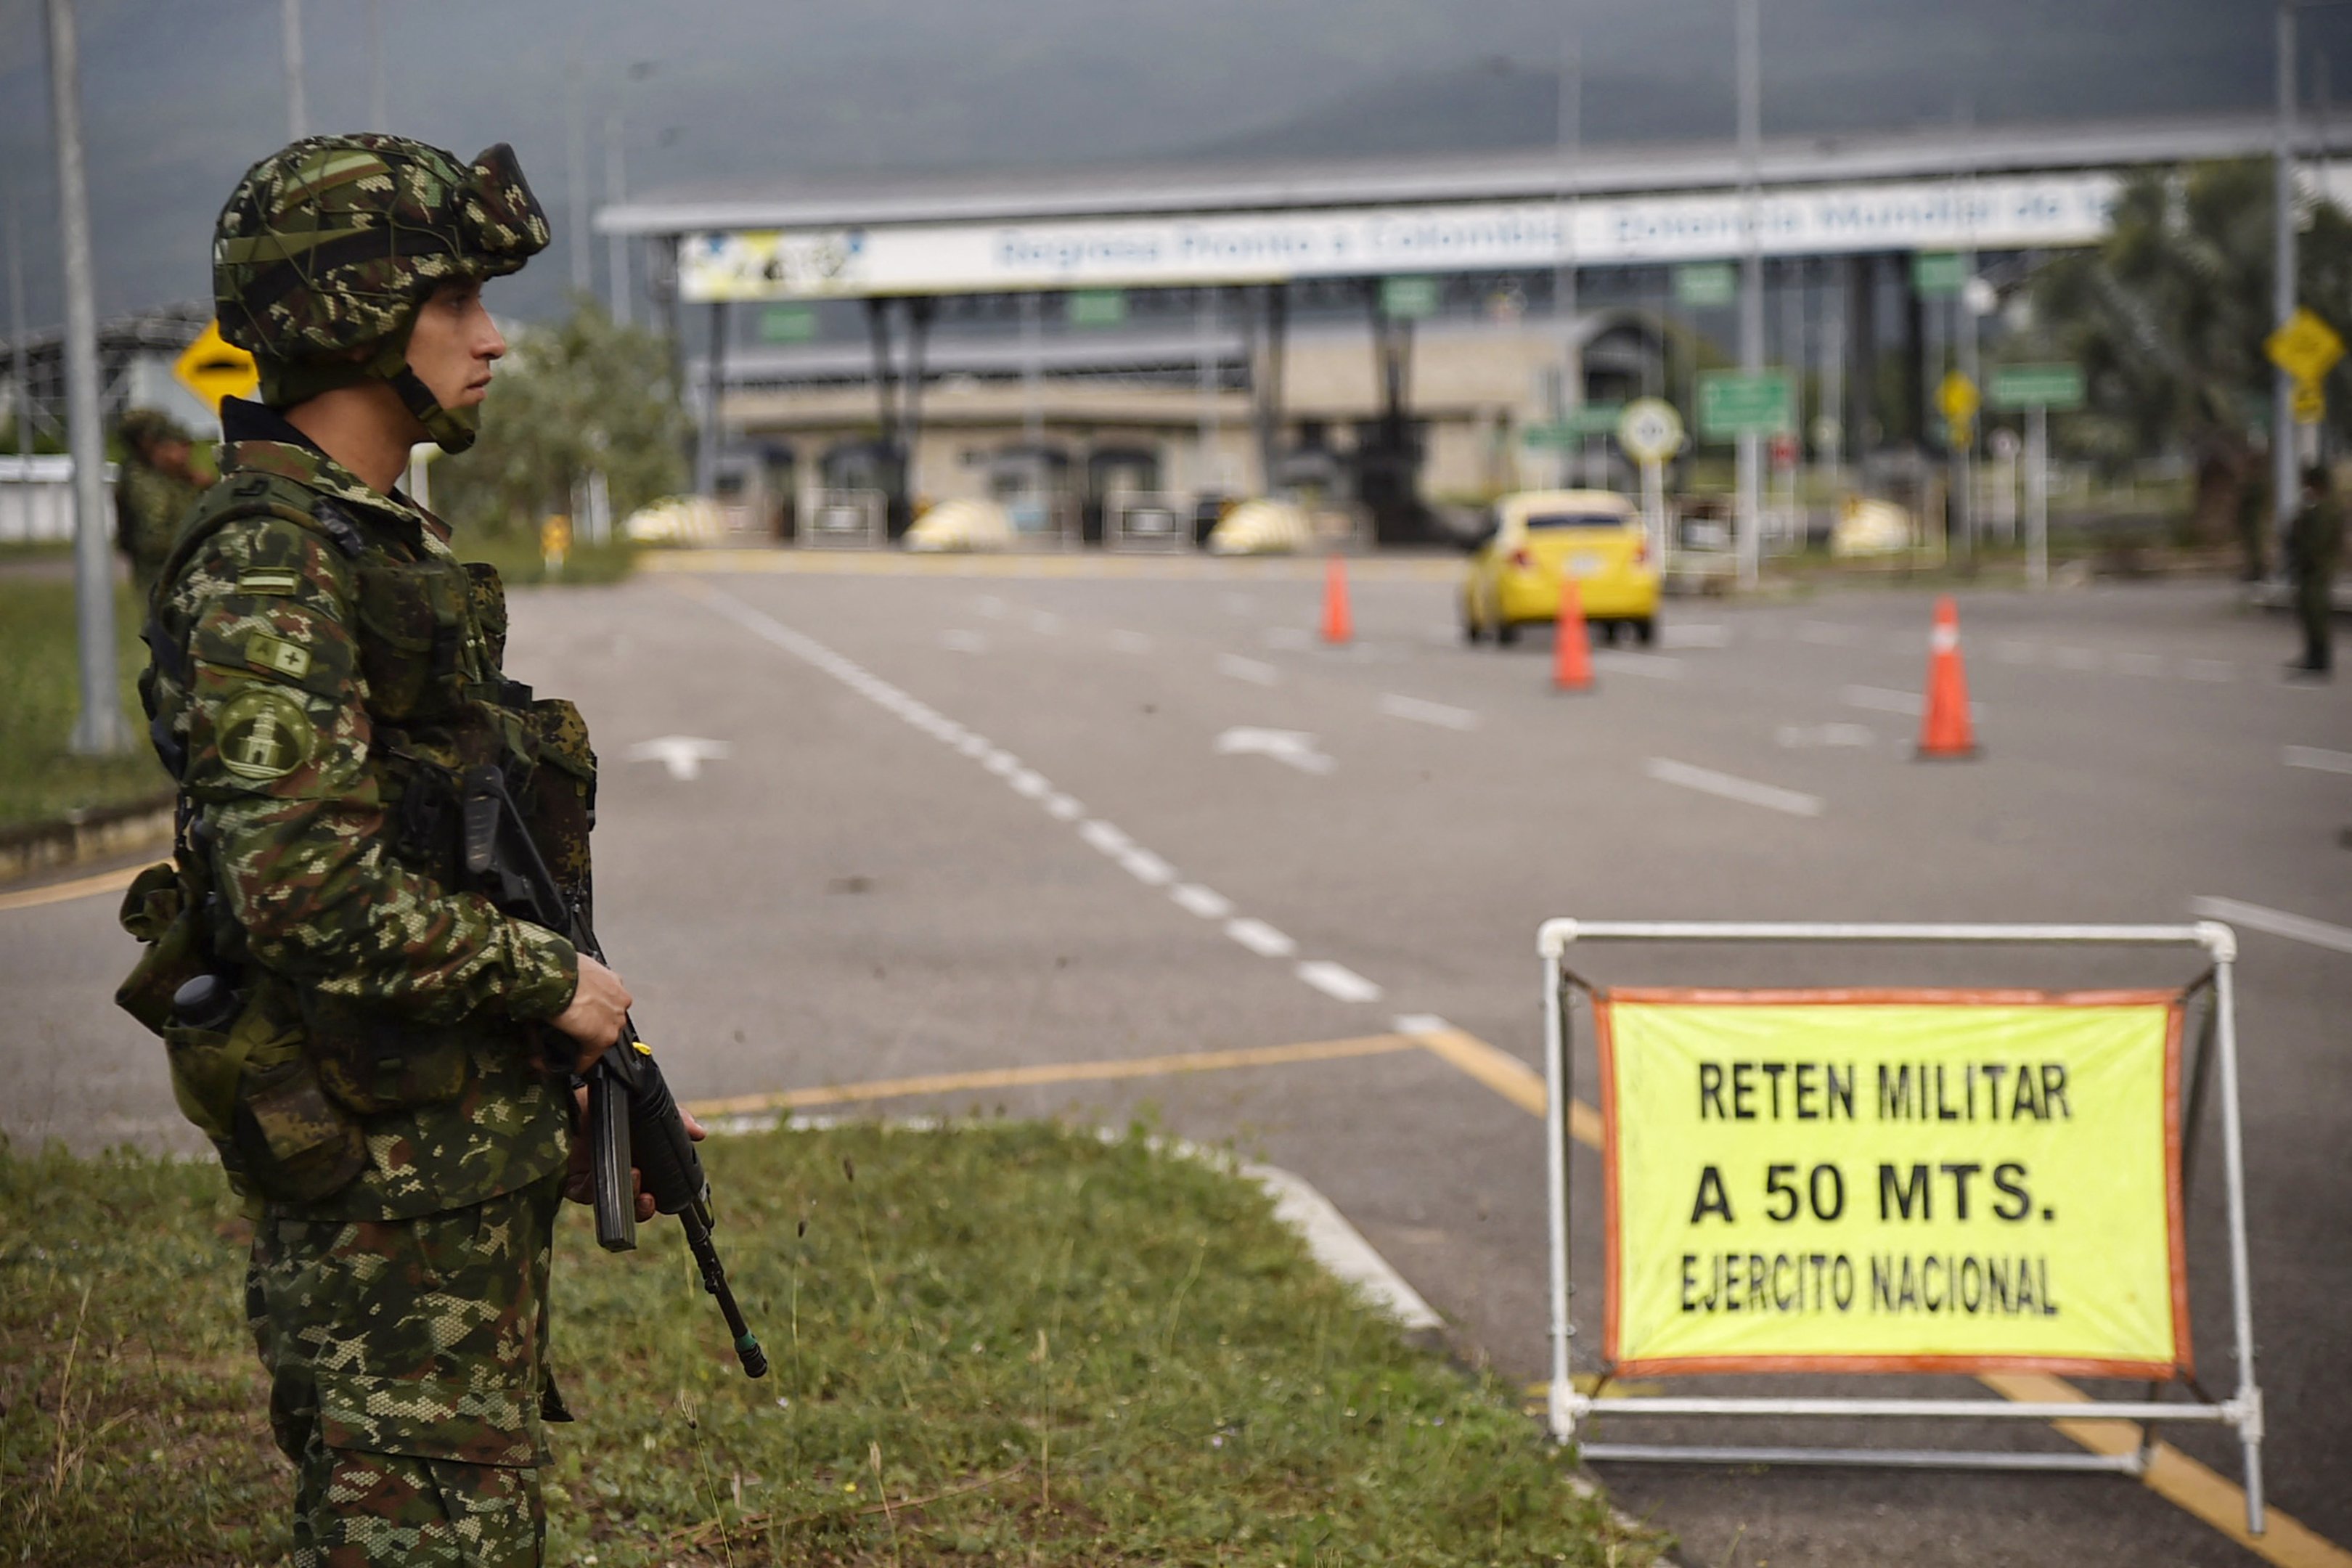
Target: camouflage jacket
{"points": [[294, 704], [2316, 540], [149, 505]]}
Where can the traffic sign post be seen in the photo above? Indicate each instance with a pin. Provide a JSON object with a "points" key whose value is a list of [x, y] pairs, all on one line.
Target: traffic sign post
{"points": [[2307, 348], [1872, 1182], [1651, 432], [1408, 299], [2037, 389], [1731, 404], [1097, 308]]}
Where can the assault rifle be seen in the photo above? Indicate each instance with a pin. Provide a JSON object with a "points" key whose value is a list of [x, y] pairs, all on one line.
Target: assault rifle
{"points": [[632, 1119]]}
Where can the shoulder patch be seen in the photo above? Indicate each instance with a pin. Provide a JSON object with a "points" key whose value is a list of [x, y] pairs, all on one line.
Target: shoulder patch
{"points": [[265, 734]]}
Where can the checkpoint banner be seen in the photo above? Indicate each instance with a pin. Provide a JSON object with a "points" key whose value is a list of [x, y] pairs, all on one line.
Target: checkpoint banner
{"points": [[1892, 1181]]}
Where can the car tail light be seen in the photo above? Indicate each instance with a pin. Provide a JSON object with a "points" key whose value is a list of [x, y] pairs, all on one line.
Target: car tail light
{"points": [[1523, 561], [1641, 550]]}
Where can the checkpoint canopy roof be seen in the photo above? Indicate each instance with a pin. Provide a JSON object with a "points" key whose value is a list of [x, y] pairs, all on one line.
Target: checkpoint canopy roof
{"points": [[1178, 224]]}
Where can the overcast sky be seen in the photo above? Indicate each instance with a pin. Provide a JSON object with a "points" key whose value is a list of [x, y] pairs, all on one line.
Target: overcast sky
{"points": [[179, 96]]}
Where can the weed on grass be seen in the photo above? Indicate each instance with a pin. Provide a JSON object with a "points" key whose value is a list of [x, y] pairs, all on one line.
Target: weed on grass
{"points": [[995, 1343]]}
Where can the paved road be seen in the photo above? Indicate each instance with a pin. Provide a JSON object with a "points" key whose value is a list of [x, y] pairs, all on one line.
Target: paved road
{"points": [[970, 822]]}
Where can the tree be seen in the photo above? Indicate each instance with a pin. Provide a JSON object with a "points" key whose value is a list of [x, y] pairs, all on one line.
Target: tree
{"points": [[2167, 316], [579, 397]]}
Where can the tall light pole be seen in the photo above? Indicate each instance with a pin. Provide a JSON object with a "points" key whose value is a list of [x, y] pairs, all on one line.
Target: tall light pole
{"points": [[1748, 521], [616, 261], [298, 110], [21, 368], [1569, 132], [99, 730], [583, 278], [2283, 490]]}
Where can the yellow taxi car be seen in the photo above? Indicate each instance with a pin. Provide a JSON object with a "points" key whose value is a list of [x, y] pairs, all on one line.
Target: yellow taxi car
{"points": [[1538, 537]]}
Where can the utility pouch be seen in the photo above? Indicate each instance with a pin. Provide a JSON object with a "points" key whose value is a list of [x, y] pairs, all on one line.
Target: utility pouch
{"points": [[157, 910], [254, 1091], [559, 804], [487, 597], [409, 633], [371, 1063]]}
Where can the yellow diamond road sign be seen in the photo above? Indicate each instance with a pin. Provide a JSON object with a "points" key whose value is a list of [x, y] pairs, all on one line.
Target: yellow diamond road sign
{"points": [[214, 368], [2307, 348], [2310, 403], [1958, 398]]}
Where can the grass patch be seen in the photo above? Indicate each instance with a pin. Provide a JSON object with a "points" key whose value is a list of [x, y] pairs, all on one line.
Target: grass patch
{"points": [[40, 696], [519, 563], [993, 1342]]}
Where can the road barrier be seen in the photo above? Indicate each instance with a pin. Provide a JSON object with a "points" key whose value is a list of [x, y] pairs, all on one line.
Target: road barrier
{"points": [[1137, 522], [1899, 1180], [845, 519]]}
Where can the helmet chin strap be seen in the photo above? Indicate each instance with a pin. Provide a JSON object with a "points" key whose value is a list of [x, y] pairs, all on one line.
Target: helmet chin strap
{"points": [[452, 429]]}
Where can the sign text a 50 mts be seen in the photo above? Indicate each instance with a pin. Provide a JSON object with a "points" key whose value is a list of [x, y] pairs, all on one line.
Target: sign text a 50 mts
{"points": [[1894, 1181]]}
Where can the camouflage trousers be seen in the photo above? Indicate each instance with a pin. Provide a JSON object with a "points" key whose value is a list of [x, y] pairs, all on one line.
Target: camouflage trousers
{"points": [[407, 1370]]}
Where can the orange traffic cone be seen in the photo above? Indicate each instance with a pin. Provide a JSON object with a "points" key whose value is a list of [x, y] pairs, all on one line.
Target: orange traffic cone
{"points": [[1339, 625], [1946, 731], [1571, 659]]}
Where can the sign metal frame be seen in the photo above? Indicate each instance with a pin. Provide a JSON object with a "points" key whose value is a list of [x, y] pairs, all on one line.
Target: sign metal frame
{"points": [[2217, 1059]]}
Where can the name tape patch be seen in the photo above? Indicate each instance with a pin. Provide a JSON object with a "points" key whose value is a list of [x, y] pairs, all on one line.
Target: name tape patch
{"points": [[267, 580], [278, 656]]}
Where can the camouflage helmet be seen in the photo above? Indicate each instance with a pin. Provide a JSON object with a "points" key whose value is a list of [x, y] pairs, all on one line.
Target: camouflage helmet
{"points": [[329, 247], [144, 428]]}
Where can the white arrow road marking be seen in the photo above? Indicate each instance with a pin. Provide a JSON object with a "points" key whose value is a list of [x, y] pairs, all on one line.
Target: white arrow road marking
{"points": [[683, 755], [1295, 748], [1425, 712], [1823, 735], [1248, 670], [2318, 759], [1770, 796], [989, 605], [2277, 922], [1337, 981]]}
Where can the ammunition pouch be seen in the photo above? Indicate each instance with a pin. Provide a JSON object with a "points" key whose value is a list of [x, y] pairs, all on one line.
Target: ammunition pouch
{"points": [[254, 1091], [371, 1061]]}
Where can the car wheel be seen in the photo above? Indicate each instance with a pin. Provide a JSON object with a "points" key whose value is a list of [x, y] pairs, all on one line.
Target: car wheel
{"points": [[1645, 630], [1505, 633], [1609, 630]]}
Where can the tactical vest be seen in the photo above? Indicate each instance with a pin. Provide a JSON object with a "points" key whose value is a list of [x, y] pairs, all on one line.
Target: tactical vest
{"points": [[284, 1088]]}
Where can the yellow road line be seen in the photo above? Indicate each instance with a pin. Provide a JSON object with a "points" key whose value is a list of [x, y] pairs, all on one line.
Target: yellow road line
{"points": [[82, 888], [1056, 1072], [2172, 1475]]}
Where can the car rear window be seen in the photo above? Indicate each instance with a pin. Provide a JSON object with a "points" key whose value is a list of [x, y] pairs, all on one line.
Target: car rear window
{"points": [[1575, 520]]}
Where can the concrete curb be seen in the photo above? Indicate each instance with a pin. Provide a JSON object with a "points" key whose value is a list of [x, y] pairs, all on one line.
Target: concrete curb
{"points": [[80, 836]]}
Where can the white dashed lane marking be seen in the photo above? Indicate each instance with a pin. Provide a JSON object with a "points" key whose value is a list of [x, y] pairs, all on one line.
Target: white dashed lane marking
{"points": [[1444, 714], [1747, 790], [1249, 669], [963, 642], [1331, 978]]}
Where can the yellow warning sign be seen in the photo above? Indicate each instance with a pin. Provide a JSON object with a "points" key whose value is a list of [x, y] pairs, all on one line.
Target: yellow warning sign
{"points": [[2307, 348], [214, 368], [1892, 1181], [2308, 402], [1958, 399]]}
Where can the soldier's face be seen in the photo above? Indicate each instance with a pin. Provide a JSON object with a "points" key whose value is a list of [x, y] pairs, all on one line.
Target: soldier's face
{"points": [[454, 345]]}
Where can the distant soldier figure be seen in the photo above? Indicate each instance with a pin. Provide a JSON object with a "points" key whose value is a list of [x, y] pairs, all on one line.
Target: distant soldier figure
{"points": [[2314, 545], [154, 492], [380, 1055]]}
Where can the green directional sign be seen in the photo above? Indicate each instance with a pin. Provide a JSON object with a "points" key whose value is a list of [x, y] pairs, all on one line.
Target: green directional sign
{"points": [[788, 325], [2058, 386], [1937, 274], [1097, 308], [1732, 404], [1591, 419], [1408, 299], [1705, 287]]}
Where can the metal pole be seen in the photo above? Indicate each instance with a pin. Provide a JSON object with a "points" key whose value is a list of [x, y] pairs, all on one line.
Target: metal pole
{"points": [[714, 384], [2249, 1432], [1556, 1195], [584, 276], [1964, 325], [1206, 321], [21, 367], [1748, 519], [617, 253], [1032, 349], [379, 113], [2282, 485], [1569, 132], [1832, 362], [2037, 497], [298, 110], [99, 730]]}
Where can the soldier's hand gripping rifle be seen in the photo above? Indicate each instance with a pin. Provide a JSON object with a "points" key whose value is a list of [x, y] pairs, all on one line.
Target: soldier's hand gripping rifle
{"points": [[632, 1119]]}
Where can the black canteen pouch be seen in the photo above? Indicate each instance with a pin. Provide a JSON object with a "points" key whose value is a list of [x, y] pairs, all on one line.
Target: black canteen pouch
{"points": [[254, 1091]]}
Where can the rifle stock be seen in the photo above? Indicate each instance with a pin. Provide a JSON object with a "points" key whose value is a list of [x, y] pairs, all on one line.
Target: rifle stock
{"points": [[632, 1123]]}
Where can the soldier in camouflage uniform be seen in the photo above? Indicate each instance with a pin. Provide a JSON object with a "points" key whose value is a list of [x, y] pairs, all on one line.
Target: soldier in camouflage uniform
{"points": [[2314, 545], [387, 1084], [152, 491]]}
